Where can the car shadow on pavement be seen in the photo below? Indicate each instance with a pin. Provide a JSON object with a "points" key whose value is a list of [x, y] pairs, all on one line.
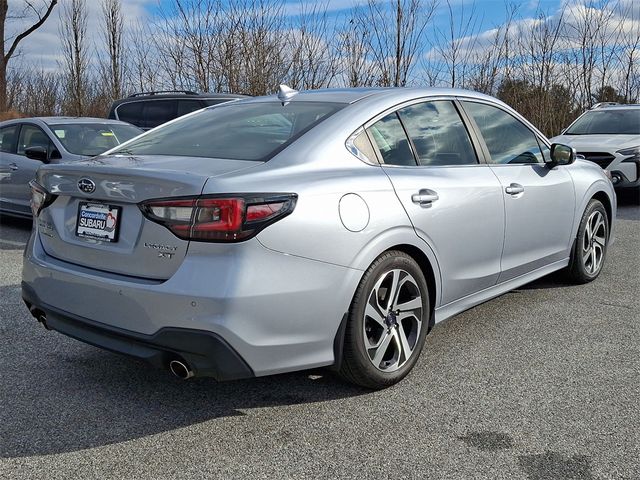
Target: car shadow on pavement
{"points": [[59, 395]]}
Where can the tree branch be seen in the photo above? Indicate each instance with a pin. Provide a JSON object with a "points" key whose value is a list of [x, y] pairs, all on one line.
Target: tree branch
{"points": [[30, 30]]}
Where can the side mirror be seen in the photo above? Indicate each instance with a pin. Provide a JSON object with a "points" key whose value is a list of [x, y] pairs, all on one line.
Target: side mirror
{"points": [[561, 155], [37, 153]]}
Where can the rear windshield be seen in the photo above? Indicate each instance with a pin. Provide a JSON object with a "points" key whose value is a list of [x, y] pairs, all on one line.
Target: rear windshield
{"points": [[607, 122], [92, 139], [237, 131]]}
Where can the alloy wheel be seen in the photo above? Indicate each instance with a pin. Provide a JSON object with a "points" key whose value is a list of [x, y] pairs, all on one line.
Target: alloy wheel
{"points": [[392, 320], [594, 243]]}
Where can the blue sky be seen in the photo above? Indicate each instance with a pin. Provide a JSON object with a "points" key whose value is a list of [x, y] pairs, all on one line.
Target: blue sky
{"points": [[42, 49]]}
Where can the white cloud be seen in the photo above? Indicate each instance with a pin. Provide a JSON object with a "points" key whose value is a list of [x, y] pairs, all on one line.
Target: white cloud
{"points": [[43, 48]]}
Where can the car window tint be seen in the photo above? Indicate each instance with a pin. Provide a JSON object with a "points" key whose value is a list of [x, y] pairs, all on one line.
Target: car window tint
{"points": [[237, 131], [130, 112], [391, 140], [157, 112], [438, 134], [8, 138], [509, 140], [32, 136], [188, 106]]}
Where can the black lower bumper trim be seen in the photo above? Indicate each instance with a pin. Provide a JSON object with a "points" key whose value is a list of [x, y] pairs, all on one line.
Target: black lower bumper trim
{"points": [[206, 353]]}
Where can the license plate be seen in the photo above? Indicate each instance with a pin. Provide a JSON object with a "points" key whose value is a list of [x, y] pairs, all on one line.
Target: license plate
{"points": [[98, 221]]}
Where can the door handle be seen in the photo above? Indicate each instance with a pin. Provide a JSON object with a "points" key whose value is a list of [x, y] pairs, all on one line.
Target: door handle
{"points": [[514, 189], [13, 166], [424, 197]]}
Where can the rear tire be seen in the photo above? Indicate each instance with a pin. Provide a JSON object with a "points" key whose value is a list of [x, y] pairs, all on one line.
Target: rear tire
{"points": [[387, 324], [590, 246]]}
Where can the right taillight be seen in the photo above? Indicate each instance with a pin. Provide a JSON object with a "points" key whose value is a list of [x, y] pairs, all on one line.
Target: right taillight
{"points": [[219, 218]]}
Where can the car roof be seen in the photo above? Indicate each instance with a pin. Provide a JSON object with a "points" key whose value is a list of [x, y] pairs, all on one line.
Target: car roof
{"points": [[65, 120], [175, 95], [622, 106], [353, 95]]}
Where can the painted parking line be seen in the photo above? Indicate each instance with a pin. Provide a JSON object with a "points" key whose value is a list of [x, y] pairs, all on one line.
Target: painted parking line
{"points": [[12, 242]]}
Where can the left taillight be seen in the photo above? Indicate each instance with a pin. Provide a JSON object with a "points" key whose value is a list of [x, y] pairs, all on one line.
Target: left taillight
{"points": [[219, 218], [40, 198]]}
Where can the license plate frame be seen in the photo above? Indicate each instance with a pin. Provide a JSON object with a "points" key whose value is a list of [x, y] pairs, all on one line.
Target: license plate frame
{"points": [[97, 224]]}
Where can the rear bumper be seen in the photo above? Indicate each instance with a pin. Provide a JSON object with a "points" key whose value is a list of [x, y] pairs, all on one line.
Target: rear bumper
{"points": [[205, 352], [278, 313]]}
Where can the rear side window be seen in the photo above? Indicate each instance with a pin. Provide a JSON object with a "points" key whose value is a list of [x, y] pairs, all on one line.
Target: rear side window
{"points": [[508, 139], [157, 112], [237, 131], [391, 141], [188, 106], [438, 134], [9, 138], [130, 112]]}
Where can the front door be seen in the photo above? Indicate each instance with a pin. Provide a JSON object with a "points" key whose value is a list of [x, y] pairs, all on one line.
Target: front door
{"points": [[539, 201]]}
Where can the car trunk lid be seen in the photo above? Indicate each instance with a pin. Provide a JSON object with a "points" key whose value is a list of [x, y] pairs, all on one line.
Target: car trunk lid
{"points": [[95, 220]]}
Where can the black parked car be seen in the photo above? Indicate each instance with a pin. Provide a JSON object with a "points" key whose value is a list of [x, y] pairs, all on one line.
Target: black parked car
{"points": [[150, 109]]}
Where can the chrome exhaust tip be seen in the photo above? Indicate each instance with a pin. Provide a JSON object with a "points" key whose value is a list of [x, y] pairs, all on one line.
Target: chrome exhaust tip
{"points": [[180, 369], [42, 318]]}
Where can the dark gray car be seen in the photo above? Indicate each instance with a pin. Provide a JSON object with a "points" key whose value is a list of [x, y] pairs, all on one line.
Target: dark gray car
{"points": [[27, 143]]}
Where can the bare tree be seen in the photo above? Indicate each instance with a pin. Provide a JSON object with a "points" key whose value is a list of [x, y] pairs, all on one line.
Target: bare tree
{"points": [[73, 33], [314, 60], [113, 69], [357, 68], [395, 45], [42, 14], [455, 45]]}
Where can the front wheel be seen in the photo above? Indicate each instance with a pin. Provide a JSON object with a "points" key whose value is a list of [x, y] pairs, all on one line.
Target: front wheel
{"points": [[590, 248], [388, 322]]}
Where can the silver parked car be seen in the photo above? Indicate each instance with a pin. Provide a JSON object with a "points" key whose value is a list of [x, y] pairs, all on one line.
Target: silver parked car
{"points": [[330, 227], [27, 143]]}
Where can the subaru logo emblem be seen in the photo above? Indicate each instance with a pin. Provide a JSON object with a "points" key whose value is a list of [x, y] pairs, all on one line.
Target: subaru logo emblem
{"points": [[86, 186]]}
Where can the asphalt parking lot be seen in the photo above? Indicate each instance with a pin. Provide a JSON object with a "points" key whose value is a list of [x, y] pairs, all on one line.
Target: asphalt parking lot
{"points": [[541, 383]]}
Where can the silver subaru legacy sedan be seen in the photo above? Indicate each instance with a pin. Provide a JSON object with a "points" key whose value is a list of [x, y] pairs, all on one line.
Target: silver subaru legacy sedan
{"points": [[308, 229]]}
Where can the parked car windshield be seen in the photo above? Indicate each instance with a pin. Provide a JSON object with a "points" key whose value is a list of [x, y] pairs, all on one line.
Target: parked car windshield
{"points": [[236, 131], [92, 139], [607, 122]]}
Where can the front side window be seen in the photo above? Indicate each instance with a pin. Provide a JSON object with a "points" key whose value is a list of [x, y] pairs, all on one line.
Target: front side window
{"points": [[92, 139], [508, 139], [392, 142], [235, 131], [438, 134], [8, 138], [32, 136]]}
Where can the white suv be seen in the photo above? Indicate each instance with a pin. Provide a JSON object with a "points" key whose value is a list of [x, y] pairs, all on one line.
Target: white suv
{"points": [[609, 135]]}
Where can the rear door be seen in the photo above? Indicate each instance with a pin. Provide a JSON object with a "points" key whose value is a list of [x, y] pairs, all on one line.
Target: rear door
{"points": [[454, 202], [539, 202]]}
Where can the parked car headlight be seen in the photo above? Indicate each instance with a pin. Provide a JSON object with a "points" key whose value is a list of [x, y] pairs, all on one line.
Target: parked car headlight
{"points": [[630, 151]]}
